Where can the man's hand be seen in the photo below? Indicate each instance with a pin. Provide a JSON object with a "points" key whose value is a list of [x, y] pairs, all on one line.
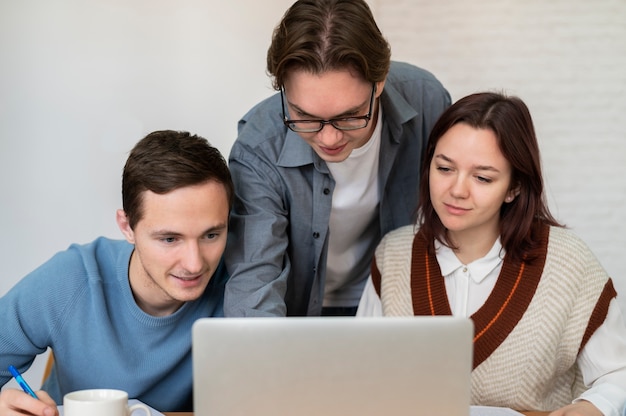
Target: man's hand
{"points": [[13, 401], [581, 408]]}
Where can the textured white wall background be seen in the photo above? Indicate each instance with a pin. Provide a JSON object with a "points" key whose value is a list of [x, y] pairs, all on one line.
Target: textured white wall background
{"points": [[567, 60], [82, 81]]}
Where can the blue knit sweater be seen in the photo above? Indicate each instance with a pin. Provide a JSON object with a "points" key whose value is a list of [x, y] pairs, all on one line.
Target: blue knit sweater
{"points": [[80, 304]]}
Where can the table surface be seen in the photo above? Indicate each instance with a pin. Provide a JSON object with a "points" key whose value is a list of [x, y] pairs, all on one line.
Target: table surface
{"points": [[191, 414]]}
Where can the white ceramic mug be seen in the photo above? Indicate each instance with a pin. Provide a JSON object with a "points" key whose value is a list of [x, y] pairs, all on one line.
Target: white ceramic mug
{"points": [[100, 402]]}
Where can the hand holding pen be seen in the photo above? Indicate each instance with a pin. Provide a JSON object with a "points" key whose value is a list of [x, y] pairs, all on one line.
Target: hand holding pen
{"points": [[12, 400], [20, 380]]}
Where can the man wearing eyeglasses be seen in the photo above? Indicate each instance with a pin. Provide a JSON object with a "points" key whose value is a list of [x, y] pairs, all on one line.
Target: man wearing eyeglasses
{"points": [[327, 166]]}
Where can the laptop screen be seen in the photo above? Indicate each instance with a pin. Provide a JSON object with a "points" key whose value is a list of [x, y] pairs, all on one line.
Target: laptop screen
{"points": [[332, 366]]}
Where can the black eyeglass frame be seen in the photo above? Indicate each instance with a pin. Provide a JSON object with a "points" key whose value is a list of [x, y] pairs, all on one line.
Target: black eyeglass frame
{"points": [[289, 123]]}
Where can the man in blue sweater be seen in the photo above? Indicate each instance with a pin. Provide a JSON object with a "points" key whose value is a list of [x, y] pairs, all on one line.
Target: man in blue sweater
{"points": [[118, 314]]}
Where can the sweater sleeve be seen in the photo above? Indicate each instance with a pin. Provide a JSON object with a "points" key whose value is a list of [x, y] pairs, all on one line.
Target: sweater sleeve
{"points": [[31, 310]]}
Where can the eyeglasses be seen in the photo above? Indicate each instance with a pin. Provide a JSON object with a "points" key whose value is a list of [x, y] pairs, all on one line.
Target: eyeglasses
{"points": [[342, 123]]}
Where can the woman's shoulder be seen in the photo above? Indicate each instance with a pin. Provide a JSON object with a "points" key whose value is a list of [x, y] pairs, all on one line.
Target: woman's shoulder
{"points": [[564, 240], [572, 256], [398, 240], [407, 231]]}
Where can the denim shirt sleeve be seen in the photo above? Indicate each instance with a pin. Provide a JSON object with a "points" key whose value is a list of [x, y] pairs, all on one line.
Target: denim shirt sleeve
{"points": [[257, 240]]}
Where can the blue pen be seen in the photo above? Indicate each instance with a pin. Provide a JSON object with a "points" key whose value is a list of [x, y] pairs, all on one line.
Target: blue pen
{"points": [[20, 380]]}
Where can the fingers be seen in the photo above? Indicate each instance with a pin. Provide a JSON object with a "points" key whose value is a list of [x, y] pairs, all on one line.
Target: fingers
{"points": [[14, 401], [581, 408], [52, 407]]}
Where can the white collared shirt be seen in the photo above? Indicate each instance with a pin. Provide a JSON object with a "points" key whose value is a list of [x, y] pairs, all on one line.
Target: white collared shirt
{"points": [[468, 286]]}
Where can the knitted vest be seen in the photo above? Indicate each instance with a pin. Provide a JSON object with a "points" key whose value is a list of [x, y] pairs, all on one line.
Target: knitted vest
{"points": [[531, 328]]}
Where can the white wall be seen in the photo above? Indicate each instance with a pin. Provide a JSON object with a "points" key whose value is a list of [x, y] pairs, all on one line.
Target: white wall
{"points": [[82, 81], [567, 60]]}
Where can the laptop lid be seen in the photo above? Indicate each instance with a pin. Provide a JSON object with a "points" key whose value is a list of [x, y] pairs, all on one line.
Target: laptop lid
{"points": [[325, 366]]}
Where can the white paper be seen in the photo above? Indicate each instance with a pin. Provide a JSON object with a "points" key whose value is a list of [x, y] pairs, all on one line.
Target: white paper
{"points": [[493, 411], [131, 402]]}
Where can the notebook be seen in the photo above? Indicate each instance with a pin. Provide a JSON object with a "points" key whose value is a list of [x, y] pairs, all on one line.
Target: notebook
{"points": [[332, 366]]}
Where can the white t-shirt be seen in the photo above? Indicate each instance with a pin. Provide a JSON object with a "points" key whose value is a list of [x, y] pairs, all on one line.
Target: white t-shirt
{"points": [[353, 217]]}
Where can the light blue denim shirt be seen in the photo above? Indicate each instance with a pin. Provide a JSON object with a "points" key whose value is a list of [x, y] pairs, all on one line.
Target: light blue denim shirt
{"points": [[278, 238]]}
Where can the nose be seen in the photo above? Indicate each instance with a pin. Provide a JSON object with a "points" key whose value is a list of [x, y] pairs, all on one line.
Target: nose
{"points": [[459, 188], [192, 260], [329, 136]]}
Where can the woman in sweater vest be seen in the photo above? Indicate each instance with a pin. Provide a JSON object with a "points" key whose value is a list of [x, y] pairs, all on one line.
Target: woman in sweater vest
{"points": [[549, 334]]}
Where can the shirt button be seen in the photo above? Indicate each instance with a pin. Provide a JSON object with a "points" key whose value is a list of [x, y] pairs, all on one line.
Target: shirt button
{"points": [[326, 191], [316, 235], [464, 269]]}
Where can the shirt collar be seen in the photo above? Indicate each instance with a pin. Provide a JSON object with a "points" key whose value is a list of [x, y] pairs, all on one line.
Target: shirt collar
{"points": [[478, 269], [397, 110], [296, 152]]}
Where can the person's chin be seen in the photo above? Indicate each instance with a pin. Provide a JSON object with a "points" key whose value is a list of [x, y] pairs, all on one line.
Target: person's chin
{"points": [[188, 294], [452, 223]]}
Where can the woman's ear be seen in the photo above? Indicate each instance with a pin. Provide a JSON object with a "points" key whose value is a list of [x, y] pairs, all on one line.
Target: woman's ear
{"points": [[512, 194]]}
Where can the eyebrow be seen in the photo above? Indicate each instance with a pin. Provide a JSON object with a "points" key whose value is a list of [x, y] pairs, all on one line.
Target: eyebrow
{"points": [[475, 167], [346, 113], [168, 233]]}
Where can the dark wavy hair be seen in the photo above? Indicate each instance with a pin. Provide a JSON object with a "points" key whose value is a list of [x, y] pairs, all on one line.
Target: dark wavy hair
{"points": [[509, 119], [167, 160], [323, 35]]}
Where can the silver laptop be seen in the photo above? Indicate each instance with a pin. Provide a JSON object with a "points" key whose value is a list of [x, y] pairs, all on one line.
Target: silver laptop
{"points": [[332, 366]]}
